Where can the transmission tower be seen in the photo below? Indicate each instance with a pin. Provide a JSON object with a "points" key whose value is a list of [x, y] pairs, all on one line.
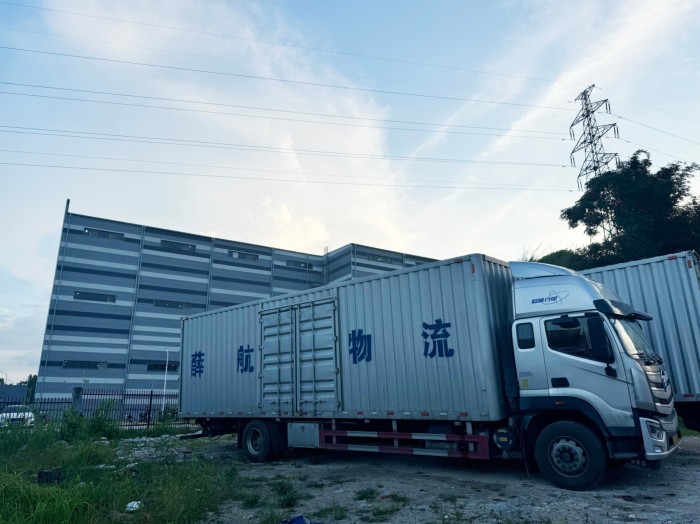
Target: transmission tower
{"points": [[596, 160]]}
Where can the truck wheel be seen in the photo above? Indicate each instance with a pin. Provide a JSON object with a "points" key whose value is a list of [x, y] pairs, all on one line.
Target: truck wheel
{"points": [[257, 441], [571, 456]]}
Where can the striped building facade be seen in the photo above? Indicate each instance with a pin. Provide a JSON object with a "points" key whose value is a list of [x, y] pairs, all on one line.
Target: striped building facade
{"points": [[121, 289]]}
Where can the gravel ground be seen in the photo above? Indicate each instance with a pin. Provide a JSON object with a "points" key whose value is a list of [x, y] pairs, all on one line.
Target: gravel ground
{"points": [[357, 488]]}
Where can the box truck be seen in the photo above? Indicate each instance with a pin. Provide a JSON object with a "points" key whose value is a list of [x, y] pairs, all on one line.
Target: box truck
{"points": [[668, 288], [469, 357]]}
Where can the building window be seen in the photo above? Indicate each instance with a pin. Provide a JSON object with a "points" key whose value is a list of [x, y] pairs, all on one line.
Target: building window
{"points": [[242, 255], [160, 366], [102, 233], [300, 265], [386, 260], [83, 364], [178, 246], [94, 297], [173, 304]]}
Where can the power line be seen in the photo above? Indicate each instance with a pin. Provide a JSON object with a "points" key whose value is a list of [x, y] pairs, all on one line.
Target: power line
{"points": [[258, 170], [648, 148], [282, 80], [287, 44], [275, 110], [343, 124], [241, 61], [651, 106], [206, 175], [247, 147], [657, 129]]}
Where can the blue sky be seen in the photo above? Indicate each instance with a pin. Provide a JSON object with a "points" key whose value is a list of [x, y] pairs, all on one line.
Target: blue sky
{"points": [[496, 81]]}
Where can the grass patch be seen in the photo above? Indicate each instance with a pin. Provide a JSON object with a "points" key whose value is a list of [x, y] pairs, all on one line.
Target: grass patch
{"points": [[334, 511], [380, 513], [93, 485], [685, 431], [448, 498], [270, 516], [287, 495], [250, 500], [337, 480], [366, 494], [398, 499]]}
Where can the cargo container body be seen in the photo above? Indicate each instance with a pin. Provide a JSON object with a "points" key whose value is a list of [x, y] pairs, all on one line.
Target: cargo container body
{"points": [[668, 288], [458, 358]]}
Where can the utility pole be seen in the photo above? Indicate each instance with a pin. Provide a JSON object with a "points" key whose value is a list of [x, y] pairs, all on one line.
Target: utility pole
{"points": [[591, 141]]}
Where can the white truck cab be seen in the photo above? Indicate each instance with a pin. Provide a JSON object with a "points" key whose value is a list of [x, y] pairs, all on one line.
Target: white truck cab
{"points": [[582, 357]]}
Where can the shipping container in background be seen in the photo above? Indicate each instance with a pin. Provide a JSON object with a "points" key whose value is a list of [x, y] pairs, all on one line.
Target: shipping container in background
{"points": [[668, 288]]}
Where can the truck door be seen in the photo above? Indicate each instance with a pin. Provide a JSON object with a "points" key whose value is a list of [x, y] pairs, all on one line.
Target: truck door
{"points": [[582, 362], [299, 348]]}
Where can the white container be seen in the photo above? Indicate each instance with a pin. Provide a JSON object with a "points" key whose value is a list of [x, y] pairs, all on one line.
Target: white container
{"points": [[423, 343]]}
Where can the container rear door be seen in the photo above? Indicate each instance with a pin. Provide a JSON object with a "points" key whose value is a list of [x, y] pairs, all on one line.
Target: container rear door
{"points": [[316, 357], [298, 359], [277, 381]]}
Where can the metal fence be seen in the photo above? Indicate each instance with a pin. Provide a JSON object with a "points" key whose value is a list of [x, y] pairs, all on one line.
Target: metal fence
{"points": [[132, 409]]}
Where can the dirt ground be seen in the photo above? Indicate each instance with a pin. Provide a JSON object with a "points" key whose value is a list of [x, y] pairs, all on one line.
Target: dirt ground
{"points": [[358, 488]]}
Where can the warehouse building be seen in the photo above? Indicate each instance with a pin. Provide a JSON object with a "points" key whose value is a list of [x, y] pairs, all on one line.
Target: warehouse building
{"points": [[120, 291]]}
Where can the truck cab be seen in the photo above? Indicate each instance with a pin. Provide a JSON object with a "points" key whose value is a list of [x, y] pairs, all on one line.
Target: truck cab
{"points": [[589, 381]]}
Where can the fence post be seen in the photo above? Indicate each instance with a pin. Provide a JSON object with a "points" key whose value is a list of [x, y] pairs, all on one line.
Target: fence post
{"points": [[150, 407], [77, 406]]}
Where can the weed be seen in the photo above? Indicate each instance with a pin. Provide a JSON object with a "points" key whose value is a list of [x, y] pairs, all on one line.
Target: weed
{"points": [[336, 480], [366, 494], [398, 499], [250, 500], [334, 511], [380, 513], [314, 484], [270, 516], [87, 494], [448, 498], [286, 493]]}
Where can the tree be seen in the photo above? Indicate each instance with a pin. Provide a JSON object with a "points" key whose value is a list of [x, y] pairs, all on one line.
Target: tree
{"points": [[636, 214]]}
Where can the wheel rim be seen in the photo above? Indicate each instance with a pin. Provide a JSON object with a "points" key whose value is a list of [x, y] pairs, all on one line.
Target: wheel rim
{"points": [[255, 441], [568, 456]]}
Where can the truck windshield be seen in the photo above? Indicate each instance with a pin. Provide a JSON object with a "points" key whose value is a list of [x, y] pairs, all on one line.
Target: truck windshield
{"points": [[634, 339]]}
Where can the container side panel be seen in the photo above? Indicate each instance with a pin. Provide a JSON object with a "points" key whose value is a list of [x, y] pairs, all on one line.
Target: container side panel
{"points": [[424, 342], [219, 364]]}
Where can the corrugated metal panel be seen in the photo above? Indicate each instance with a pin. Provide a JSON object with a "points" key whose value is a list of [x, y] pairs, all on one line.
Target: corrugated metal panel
{"points": [[668, 288], [426, 342], [219, 367]]}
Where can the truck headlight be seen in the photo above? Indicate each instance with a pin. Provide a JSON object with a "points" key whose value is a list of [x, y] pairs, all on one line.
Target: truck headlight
{"points": [[655, 430]]}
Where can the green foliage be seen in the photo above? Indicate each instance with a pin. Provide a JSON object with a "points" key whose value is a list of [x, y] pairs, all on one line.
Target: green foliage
{"points": [[573, 259], [366, 494], [287, 495], [639, 213], [102, 423], [334, 511], [89, 492]]}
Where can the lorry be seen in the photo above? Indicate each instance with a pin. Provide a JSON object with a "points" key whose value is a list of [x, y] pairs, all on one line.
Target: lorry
{"points": [[469, 357], [668, 288]]}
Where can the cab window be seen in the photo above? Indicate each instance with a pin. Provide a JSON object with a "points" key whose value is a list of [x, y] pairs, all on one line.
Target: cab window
{"points": [[582, 337]]}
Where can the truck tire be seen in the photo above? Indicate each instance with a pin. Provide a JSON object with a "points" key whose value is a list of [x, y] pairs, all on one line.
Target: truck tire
{"points": [[257, 441], [571, 456]]}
